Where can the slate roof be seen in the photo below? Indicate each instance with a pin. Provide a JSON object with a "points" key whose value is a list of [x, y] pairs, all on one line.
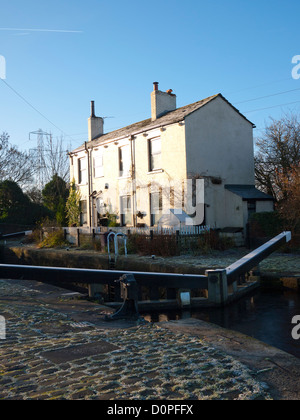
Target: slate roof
{"points": [[169, 118], [248, 192]]}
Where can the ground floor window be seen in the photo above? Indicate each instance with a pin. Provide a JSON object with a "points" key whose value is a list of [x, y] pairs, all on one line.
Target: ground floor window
{"points": [[126, 212], [156, 207], [83, 212]]}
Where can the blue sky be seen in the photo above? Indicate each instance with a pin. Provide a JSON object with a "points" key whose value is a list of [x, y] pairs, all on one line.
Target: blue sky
{"points": [[112, 52]]}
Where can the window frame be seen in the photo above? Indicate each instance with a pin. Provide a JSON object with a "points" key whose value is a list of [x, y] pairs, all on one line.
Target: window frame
{"points": [[124, 173], [154, 217], [83, 212], [151, 165], [100, 168], [82, 179], [126, 213]]}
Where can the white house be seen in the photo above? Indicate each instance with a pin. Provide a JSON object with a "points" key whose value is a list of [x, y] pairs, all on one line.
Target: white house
{"points": [[198, 158]]}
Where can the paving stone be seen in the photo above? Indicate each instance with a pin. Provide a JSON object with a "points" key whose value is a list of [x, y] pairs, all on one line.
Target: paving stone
{"points": [[142, 362], [78, 352]]}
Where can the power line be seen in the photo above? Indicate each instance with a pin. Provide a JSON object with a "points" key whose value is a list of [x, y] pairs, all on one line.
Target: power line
{"points": [[275, 106], [257, 86], [34, 108], [249, 100], [267, 96]]}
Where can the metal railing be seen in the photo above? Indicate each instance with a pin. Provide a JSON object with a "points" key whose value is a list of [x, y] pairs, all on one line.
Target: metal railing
{"points": [[116, 236], [59, 275], [15, 235], [255, 257], [216, 282]]}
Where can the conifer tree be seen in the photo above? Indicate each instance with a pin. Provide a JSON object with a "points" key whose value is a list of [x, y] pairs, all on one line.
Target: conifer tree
{"points": [[73, 205]]}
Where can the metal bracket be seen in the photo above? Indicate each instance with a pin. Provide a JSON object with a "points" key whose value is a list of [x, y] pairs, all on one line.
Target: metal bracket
{"points": [[129, 292]]}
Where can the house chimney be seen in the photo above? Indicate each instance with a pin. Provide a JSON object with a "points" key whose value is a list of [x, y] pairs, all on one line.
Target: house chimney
{"points": [[95, 124], [161, 102], [93, 109]]}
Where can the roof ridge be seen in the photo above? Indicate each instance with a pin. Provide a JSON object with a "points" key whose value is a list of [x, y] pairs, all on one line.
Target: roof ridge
{"points": [[170, 117], [167, 113]]}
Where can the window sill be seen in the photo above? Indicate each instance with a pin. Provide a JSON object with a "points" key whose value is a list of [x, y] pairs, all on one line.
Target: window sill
{"points": [[155, 171], [124, 177]]}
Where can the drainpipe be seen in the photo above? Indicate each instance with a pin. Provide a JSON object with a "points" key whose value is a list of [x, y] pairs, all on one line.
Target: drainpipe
{"points": [[92, 189], [89, 182], [133, 179]]}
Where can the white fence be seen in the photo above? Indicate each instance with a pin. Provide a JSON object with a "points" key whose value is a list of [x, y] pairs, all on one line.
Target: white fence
{"points": [[183, 230], [73, 234]]}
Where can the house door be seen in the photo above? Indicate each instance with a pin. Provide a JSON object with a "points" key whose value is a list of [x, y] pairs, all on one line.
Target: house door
{"points": [[251, 207]]}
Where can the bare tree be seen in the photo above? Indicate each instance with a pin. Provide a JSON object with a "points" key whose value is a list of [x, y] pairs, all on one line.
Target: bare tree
{"points": [[278, 153], [289, 207], [15, 165], [56, 160]]}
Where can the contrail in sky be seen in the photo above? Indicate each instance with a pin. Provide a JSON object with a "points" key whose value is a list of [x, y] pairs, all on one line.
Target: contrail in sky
{"points": [[40, 30]]}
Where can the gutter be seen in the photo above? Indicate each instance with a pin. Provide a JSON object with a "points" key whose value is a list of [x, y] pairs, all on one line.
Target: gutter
{"points": [[128, 136], [133, 180]]}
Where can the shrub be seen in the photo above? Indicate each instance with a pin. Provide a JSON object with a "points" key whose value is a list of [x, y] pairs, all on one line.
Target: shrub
{"points": [[266, 224], [34, 237], [211, 241], [160, 245], [16, 206], [88, 243], [171, 245], [54, 239]]}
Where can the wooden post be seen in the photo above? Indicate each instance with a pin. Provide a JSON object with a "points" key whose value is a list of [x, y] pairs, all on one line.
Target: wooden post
{"points": [[154, 293], [78, 238], [96, 290], [93, 237], [248, 237], [217, 286]]}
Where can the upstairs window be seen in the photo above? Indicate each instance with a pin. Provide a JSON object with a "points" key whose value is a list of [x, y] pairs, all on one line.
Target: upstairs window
{"points": [[124, 161], [154, 154], [82, 178], [98, 165]]}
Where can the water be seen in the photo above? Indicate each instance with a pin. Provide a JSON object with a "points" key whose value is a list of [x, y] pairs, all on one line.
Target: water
{"points": [[266, 316]]}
